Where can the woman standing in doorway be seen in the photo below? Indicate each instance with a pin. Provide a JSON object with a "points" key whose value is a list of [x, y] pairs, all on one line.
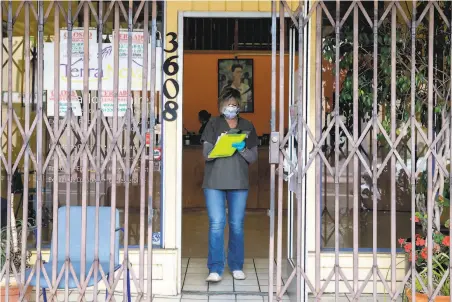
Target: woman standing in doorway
{"points": [[227, 179]]}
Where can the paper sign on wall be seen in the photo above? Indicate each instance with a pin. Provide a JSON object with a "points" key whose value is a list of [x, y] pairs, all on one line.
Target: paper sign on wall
{"points": [[63, 101], [106, 72]]}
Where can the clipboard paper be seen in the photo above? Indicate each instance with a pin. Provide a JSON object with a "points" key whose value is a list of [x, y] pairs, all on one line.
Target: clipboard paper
{"points": [[223, 147]]}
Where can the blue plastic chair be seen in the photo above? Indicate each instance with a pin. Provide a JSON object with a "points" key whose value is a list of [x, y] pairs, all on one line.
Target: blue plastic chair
{"points": [[75, 244]]}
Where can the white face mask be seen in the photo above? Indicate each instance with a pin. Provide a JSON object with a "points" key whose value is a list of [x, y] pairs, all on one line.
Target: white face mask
{"points": [[230, 111]]}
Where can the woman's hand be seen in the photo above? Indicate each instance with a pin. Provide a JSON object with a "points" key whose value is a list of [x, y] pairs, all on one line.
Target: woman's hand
{"points": [[239, 146]]}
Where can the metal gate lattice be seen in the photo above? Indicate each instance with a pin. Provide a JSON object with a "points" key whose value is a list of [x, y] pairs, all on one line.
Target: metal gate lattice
{"points": [[390, 117], [72, 124]]}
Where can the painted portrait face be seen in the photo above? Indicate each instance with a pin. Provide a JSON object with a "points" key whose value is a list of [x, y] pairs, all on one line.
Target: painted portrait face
{"points": [[237, 73]]}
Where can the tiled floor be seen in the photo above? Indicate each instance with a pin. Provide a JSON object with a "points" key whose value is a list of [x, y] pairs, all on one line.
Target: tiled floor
{"points": [[195, 228], [254, 288]]}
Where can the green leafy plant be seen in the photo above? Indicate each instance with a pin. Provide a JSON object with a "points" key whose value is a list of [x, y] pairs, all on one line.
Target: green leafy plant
{"points": [[440, 261], [15, 252]]}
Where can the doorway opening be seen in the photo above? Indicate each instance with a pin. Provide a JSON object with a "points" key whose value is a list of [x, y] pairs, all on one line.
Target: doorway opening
{"points": [[211, 46]]}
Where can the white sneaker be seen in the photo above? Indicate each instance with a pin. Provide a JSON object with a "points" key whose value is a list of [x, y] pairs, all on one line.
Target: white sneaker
{"points": [[238, 275], [213, 277]]}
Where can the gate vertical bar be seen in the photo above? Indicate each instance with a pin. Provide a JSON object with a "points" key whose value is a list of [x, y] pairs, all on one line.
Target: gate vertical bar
{"points": [[39, 172], [85, 130], [128, 117], [429, 161], [318, 135], [300, 147], [113, 145], [68, 148], [450, 152], [337, 150], [356, 135], [151, 145], [413, 144], [272, 166], [281, 138], [374, 151], [9, 147], [56, 164], [27, 129], [100, 28], [2, 177], [144, 129], [393, 139]]}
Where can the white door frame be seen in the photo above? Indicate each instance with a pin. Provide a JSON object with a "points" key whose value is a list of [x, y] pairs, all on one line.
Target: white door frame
{"points": [[179, 126]]}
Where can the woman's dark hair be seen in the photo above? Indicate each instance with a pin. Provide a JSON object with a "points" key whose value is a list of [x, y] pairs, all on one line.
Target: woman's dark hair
{"points": [[227, 94], [204, 115]]}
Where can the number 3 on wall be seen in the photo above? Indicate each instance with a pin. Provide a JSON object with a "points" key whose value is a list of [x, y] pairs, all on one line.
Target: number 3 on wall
{"points": [[171, 68]]}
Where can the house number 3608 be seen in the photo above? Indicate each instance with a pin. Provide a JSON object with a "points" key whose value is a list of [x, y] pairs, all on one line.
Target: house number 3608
{"points": [[171, 68]]}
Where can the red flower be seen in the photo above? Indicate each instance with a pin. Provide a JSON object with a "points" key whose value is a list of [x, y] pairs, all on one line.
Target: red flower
{"points": [[424, 253], [416, 219], [420, 241], [408, 247], [446, 240], [401, 241]]}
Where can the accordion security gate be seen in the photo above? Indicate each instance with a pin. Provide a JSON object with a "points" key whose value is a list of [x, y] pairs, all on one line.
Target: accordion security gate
{"points": [[406, 42], [424, 93], [104, 130]]}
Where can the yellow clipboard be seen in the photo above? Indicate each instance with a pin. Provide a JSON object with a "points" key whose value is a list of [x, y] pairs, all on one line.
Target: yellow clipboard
{"points": [[223, 147]]}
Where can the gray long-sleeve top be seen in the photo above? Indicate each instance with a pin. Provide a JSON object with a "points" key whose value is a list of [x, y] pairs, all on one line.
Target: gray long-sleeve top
{"points": [[229, 173]]}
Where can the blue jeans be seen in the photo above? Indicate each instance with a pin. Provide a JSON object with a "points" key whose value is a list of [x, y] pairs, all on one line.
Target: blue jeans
{"points": [[215, 201]]}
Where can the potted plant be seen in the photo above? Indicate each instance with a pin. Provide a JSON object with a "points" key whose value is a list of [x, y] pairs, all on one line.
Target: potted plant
{"points": [[15, 259], [15, 238], [440, 240], [440, 264]]}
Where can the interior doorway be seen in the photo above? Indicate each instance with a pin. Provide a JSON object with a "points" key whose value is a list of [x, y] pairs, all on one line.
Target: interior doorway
{"points": [[206, 60]]}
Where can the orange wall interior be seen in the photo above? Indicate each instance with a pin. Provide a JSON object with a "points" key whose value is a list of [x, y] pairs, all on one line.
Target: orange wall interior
{"points": [[201, 87]]}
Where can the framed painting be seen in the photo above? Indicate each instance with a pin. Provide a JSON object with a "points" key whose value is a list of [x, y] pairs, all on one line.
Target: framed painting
{"points": [[238, 74]]}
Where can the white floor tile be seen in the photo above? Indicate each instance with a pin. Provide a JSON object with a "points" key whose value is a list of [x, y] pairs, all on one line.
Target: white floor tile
{"points": [[252, 276], [197, 270], [219, 298], [246, 288], [221, 288], [246, 282], [195, 288], [194, 281], [249, 298], [194, 298], [227, 281]]}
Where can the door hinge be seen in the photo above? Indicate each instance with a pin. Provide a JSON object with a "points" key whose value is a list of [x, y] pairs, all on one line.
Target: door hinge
{"points": [[274, 148]]}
